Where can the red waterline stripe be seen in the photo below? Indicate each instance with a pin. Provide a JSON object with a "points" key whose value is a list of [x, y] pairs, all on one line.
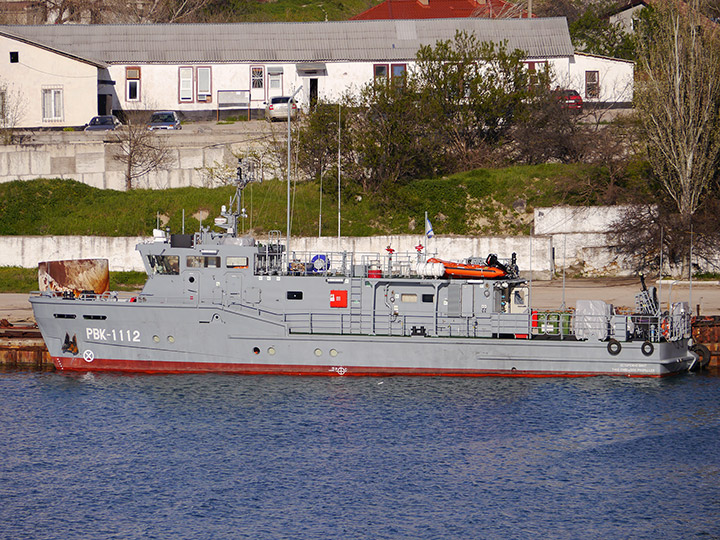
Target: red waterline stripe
{"points": [[145, 366]]}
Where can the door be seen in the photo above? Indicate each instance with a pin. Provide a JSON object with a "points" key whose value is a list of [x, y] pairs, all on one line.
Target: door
{"points": [[313, 92], [104, 104]]}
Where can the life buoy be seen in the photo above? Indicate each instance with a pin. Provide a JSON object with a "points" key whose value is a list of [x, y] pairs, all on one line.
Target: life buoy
{"points": [[318, 263], [665, 327], [647, 348], [614, 347]]}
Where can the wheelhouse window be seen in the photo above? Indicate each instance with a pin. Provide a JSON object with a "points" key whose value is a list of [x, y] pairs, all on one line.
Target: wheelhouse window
{"points": [[185, 84], [200, 261], [236, 262], [204, 84], [164, 264], [52, 104], [132, 86]]}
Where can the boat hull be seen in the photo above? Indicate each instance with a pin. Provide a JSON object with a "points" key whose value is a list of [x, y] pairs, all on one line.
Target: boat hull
{"points": [[188, 338]]}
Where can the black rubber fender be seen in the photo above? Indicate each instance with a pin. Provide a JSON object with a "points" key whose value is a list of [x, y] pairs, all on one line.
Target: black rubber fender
{"points": [[647, 348], [703, 354], [614, 347]]}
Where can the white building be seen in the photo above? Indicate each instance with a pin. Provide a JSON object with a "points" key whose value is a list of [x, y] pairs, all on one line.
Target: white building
{"points": [[69, 73]]}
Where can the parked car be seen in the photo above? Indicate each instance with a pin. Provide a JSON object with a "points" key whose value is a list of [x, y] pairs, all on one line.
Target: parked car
{"points": [[164, 120], [277, 108], [106, 122], [570, 99]]}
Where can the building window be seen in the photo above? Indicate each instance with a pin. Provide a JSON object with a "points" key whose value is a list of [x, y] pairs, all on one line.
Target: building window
{"points": [[185, 84], [3, 120], [534, 68], [398, 71], [380, 70], [204, 84], [592, 84], [14, 57], [256, 76], [132, 89], [52, 104]]}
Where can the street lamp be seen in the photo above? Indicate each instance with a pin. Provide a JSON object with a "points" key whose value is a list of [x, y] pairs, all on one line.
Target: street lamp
{"points": [[287, 239]]}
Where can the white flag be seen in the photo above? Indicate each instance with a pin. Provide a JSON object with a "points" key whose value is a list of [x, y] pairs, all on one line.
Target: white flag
{"points": [[428, 228]]}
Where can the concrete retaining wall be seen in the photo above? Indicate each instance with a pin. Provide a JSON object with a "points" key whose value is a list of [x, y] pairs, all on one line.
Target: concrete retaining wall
{"points": [[92, 163], [27, 251]]}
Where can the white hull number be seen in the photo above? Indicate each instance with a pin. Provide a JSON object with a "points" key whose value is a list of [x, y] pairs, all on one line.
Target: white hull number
{"points": [[103, 334]]}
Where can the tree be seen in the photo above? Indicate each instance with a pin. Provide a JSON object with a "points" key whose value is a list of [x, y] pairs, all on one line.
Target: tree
{"points": [[475, 90], [318, 139], [593, 33], [393, 135], [548, 131], [139, 149], [12, 109], [678, 101]]}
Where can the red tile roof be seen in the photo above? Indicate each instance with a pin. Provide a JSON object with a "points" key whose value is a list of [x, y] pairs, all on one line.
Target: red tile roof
{"points": [[441, 9]]}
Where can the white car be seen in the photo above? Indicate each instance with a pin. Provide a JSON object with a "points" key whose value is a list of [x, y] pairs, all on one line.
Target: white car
{"points": [[277, 109]]}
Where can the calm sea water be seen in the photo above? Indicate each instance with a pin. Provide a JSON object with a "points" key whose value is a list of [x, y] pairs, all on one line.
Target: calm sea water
{"points": [[204, 457]]}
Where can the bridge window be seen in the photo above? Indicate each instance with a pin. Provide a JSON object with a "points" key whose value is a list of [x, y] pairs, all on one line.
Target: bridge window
{"points": [[236, 262], [199, 261], [164, 264]]}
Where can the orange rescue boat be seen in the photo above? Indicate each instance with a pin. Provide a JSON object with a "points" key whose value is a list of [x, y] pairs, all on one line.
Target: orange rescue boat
{"points": [[455, 269]]}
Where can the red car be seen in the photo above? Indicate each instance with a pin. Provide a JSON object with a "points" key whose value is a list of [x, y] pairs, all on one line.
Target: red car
{"points": [[570, 99]]}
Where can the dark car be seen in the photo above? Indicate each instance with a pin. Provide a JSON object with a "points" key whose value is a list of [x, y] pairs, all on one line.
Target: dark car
{"points": [[106, 122], [164, 120], [570, 99]]}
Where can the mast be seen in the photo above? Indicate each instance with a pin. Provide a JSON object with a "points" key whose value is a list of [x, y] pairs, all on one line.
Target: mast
{"points": [[287, 224]]}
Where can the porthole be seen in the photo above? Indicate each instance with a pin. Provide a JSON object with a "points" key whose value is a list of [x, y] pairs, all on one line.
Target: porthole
{"points": [[171, 339], [271, 351], [156, 339], [256, 350], [333, 353], [318, 352], [191, 279]]}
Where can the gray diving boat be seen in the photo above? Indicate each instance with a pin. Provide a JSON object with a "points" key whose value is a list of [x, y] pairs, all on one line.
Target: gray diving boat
{"points": [[222, 302]]}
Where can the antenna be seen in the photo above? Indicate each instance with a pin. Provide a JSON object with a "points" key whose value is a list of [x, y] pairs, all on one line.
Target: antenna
{"points": [[287, 224], [338, 175]]}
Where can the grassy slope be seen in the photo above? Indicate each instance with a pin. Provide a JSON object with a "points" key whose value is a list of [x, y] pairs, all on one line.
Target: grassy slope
{"points": [[296, 10], [483, 201]]}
